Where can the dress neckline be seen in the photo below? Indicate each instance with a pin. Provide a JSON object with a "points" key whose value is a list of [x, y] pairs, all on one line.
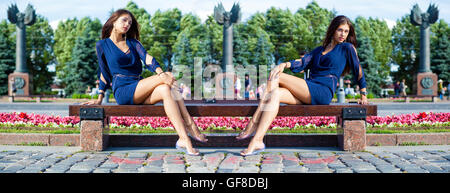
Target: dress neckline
{"points": [[126, 41], [323, 49]]}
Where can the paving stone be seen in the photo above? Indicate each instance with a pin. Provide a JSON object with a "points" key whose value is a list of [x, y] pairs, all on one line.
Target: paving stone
{"points": [[287, 163], [308, 155], [109, 165], [198, 163], [125, 170], [15, 168], [315, 166], [319, 170], [102, 170], [432, 169], [137, 155], [80, 171], [271, 170], [415, 170], [222, 170], [343, 170], [366, 171], [31, 170], [199, 170], [174, 170], [296, 169], [129, 166], [337, 165], [253, 169], [150, 169], [268, 166], [57, 169]]}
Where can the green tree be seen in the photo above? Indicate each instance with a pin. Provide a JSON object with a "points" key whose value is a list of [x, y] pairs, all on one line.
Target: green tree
{"points": [[405, 51], [303, 36], [83, 66], [39, 52], [213, 41], [143, 18], [440, 50], [319, 19], [165, 29], [65, 36], [241, 55], [372, 68], [380, 39], [7, 56], [259, 44], [280, 26]]}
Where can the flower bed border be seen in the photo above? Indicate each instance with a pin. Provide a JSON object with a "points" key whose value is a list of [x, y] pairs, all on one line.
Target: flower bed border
{"points": [[226, 140]]}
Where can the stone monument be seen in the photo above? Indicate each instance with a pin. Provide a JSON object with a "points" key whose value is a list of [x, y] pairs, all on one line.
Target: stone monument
{"points": [[19, 82], [426, 80], [227, 19]]}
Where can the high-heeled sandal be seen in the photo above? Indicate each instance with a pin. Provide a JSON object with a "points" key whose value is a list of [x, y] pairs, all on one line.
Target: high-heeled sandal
{"points": [[255, 152], [240, 137], [184, 150], [195, 137]]}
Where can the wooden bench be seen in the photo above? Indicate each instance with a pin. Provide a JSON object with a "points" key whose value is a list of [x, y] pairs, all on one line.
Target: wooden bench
{"points": [[351, 133]]}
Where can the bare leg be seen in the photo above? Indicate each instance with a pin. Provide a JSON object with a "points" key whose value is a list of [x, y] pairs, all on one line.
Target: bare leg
{"points": [[251, 126], [270, 110], [150, 91], [189, 122]]}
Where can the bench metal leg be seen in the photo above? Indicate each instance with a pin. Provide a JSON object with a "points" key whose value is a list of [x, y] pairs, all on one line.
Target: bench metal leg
{"points": [[352, 135], [93, 136]]}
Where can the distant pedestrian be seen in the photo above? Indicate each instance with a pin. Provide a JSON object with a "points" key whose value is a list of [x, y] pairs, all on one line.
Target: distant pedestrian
{"points": [[403, 87], [248, 84], [397, 88], [441, 90]]}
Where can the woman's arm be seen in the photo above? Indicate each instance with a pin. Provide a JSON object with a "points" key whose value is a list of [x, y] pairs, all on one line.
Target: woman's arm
{"points": [[358, 73]]}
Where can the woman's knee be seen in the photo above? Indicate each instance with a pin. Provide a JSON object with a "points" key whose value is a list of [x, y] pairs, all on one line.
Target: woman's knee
{"points": [[163, 90]]}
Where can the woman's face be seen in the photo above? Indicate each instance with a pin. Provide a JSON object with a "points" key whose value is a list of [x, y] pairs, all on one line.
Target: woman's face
{"points": [[123, 23], [341, 33]]}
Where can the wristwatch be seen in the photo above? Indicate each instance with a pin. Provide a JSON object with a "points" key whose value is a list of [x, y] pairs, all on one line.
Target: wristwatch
{"points": [[363, 93]]}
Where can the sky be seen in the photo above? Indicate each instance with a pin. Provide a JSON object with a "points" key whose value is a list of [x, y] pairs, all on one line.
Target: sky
{"points": [[388, 10]]}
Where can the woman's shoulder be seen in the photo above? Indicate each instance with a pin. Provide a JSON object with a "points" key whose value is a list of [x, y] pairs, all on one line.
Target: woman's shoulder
{"points": [[100, 42], [316, 50], [347, 45], [132, 40]]}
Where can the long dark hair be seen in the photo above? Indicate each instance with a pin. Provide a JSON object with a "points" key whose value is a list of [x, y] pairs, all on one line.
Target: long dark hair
{"points": [[351, 38], [133, 32]]}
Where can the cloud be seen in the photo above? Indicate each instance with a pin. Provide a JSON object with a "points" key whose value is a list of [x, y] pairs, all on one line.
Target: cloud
{"points": [[390, 23]]}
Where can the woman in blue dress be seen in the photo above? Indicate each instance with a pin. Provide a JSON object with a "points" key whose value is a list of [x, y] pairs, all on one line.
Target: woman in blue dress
{"points": [[119, 55], [336, 56]]}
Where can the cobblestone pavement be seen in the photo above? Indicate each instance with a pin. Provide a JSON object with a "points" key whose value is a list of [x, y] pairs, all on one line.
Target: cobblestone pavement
{"points": [[413, 159]]}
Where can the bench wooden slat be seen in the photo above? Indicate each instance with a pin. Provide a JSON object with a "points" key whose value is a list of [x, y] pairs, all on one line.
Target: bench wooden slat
{"points": [[223, 109]]}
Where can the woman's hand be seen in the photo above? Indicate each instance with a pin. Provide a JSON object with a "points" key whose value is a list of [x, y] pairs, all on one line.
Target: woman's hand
{"points": [[363, 100], [275, 73], [97, 102], [167, 78]]}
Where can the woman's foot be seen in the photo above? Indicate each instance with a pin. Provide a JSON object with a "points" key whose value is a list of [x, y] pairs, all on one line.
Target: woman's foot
{"points": [[254, 149], [248, 131], [181, 146], [194, 132]]}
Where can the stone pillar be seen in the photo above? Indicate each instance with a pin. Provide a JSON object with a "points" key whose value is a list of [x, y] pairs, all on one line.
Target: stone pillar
{"points": [[93, 135], [352, 135]]}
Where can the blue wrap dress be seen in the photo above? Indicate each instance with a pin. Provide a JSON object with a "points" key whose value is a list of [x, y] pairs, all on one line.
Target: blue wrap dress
{"points": [[325, 70], [121, 70]]}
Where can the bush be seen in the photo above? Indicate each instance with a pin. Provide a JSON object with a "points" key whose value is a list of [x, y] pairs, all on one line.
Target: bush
{"points": [[81, 96]]}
